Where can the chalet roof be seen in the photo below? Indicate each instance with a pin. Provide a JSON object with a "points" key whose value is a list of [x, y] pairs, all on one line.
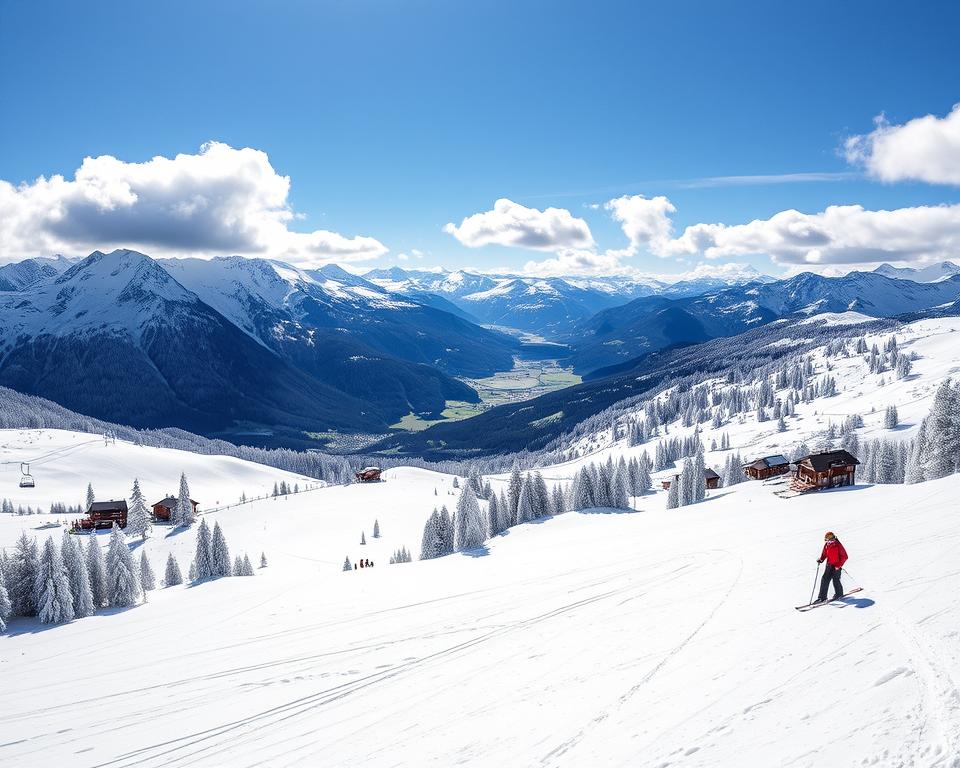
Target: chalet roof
{"points": [[169, 502], [107, 506], [709, 474], [769, 461], [824, 461], [371, 469]]}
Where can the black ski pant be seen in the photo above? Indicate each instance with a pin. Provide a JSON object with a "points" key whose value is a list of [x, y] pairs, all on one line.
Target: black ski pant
{"points": [[831, 573]]}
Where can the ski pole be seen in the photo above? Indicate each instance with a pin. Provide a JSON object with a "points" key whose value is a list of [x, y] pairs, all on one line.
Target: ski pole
{"points": [[815, 580]]}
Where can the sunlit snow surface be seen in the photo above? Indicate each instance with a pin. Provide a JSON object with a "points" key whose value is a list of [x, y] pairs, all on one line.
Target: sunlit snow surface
{"points": [[651, 638]]}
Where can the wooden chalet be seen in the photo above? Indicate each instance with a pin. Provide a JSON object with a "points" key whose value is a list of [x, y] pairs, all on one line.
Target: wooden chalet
{"points": [[712, 479], [163, 509], [369, 475], [831, 469], [768, 466], [103, 514]]}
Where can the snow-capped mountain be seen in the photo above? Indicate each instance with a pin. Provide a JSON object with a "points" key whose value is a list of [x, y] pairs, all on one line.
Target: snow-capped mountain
{"points": [[929, 274], [622, 333], [22, 274], [280, 305], [551, 307], [118, 337]]}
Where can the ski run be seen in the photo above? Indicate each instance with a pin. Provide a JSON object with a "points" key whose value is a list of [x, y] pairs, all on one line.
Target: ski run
{"points": [[653, 637]]}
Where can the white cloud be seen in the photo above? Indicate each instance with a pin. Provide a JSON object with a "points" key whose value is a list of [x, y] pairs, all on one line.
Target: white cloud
{"points": [[645, 221], [923, 149], [841, 234], [512, 224], [219, 201]]}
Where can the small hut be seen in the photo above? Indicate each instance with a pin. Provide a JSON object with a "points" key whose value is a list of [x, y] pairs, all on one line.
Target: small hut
{"points": [[830, 469], [369, 475], [768, 466], [711, 479], [103, 514], [163, 509]]}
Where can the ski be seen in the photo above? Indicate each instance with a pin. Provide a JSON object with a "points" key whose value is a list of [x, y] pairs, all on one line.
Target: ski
{"points": [[810, 606]]}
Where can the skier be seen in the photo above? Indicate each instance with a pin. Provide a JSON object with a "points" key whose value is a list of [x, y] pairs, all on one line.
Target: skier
{"points": [[835, 555]]}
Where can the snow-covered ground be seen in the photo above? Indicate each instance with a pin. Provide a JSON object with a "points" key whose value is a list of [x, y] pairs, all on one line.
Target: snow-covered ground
{"points": [[653, 638]]}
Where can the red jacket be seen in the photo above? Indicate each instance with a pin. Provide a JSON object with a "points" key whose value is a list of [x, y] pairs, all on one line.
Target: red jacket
{"points": [[834, 553]]}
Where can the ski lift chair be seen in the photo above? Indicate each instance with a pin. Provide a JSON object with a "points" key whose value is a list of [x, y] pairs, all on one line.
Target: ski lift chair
{"points": [[26, 479]]}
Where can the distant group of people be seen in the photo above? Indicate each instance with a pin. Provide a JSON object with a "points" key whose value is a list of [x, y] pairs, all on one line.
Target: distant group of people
{"points": [[364, 563]]}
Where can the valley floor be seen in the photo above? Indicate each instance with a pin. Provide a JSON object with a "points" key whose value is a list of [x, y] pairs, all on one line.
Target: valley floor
{"points": [[654, 638]]}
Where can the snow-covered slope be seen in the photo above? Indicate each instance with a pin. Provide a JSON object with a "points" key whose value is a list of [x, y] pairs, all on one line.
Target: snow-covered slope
{"points": [[22, 274], [653, 638]]}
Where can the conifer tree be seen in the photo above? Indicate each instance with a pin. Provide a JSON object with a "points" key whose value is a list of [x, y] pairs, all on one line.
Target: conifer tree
{"points": [[5, 605], [220, 564], [172, 575], [147, 580], [138, 517], [619, 491], [203, 558], [673, 494], [123, 580], [376, 529], [22, 575], [237, 565], [513, 492], [52, 587], [363, 537], [699, 481], [192, 572], [468, 522], [263, 560], [493, 516], [247, 569], [430, 543], [90, 496], [447, 532], [525, 501], [97, 570], [183, 513], [76, 567], [541, 496]]}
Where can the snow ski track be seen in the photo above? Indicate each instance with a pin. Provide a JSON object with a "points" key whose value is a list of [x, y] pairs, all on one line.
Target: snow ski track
{"points": [[567, 745], [269, 717]]}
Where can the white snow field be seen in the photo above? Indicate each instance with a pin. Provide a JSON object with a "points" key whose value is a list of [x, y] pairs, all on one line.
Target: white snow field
{"points": [[648, 638]]}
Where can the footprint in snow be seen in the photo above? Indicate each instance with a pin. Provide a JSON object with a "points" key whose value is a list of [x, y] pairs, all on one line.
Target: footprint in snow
{"points": [[892, 674]]}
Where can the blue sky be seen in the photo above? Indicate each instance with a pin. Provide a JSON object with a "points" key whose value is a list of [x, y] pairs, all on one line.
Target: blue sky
{"points": [[392, 119]]}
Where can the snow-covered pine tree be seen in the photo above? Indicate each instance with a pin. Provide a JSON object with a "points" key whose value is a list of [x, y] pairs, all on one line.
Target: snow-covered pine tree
{"points": [[219, 553], [363, 537], [147, 580], [890, 417], [429, 543], [203, 559], [184, 513], [645, 482], [138, 516], [97, 570], [22, 575], [687, 483], [943, 433], [247, 569], [456, 482], [559, 500], [263, 560], [123, 579], [913, 472], [447, 532], [699, 483], [673, 494], [468, 521], [192, 572], [172, 575], [619, 490], [583, 496], [91, 497], [52, 587], [525, 502], [376, 529], [237, 565], [504, 519], [493, 516], [513, 492], [5, 606], [76, 566]]}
